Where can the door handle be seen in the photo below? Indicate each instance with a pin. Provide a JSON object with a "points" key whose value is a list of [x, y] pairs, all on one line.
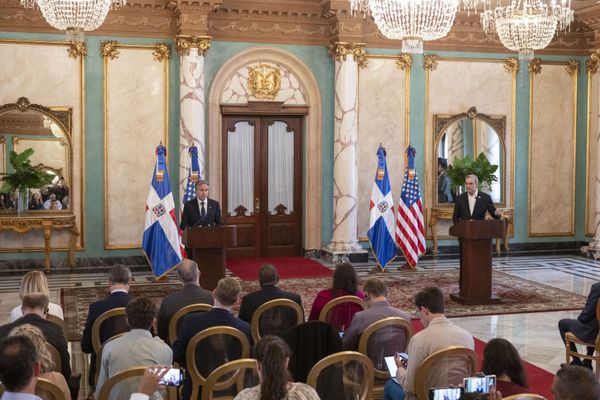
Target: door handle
{"points": [[257, 205]]}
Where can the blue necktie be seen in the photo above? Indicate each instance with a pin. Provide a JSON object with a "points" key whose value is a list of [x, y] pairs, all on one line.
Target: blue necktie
{"points": [[202, 210]]}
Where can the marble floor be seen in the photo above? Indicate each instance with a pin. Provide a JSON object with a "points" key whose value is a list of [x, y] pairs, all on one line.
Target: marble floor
{"points": [[534, 334]]}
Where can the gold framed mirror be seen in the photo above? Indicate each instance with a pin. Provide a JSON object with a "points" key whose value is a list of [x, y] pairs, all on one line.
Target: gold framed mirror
{"points": [[468, 133], [48, 131]]}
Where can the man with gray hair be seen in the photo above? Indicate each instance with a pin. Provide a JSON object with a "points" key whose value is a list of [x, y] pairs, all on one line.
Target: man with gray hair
{"points": [[190, 293], [473, 204]]}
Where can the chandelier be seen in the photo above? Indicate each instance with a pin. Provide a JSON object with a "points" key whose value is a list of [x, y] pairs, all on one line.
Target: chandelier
{"points": [[74, 16], [527, 25]]}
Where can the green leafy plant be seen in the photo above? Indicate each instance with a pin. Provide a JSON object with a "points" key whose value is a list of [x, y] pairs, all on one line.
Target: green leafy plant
{"points": [[480, 167], [24, 174]]}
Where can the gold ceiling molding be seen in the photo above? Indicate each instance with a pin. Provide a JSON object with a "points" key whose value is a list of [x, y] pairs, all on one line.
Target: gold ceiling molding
{"points": [[109, 49], [162, 52], [340, 50], [511, 64], [430, 62], [77, 49], [572, 67], [405, 62], [184, 44], [593, 63], [535, 66]]}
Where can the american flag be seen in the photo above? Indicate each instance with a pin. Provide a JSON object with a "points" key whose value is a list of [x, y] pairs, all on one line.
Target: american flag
{"points": [[190, 189], [410, 230]]}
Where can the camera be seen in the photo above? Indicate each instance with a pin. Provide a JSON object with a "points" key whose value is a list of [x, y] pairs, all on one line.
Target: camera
{"points": [[173, 377], [479, 384], [447, 393]]}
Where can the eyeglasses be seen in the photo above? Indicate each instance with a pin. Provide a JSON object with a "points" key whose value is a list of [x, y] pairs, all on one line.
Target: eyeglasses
{"points": [[417, 313]]}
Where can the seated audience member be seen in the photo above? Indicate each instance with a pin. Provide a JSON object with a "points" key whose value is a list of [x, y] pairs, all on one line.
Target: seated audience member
{"points": [[585, 327], [2, 202], [226, 295], [35, 282], [378, 308], [439, 333], [119, 278], [272, 356], [573, 382], [36, 202], [136, 348], [268, 279], [52, 203], [150, 382], [46, 363], [500, 358], [190, 293], [65, 202], [345, 283], [19, 368]]}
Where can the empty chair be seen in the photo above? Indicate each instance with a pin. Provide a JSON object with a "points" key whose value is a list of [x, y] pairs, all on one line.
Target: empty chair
{"points": [[275, 317], [177, 318], [347, 375], [339, 311], [232, 378]]}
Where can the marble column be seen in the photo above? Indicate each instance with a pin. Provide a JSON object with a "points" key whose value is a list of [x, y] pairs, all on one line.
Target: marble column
{"points": [[344, 244], [192, 51], [593, 248]]}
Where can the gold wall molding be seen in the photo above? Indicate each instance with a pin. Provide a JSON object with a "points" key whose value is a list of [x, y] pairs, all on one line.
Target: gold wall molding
{"points": [[109, 48], [162, 52], [184, 44], [593, 63], [572, 67], [511, 64], [535, 66], [430, 62], [340, 50], [264, 81], [77, 49], [405, 62]]}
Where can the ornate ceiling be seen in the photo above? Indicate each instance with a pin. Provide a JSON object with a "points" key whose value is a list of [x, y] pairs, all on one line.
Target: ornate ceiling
{"points": [[313, 22]]}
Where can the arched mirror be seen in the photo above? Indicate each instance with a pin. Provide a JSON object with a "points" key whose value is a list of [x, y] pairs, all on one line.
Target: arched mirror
{"points": [[48, 132], [460, 135]]}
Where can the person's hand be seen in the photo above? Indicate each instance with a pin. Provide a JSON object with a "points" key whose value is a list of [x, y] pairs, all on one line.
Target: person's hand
{"points": [[494, 394], [400, 362], [149, 382], [498, 213]]}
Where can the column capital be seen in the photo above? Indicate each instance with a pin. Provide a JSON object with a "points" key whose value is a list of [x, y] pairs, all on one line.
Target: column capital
{"points": [[185, 43], [339, 51]]}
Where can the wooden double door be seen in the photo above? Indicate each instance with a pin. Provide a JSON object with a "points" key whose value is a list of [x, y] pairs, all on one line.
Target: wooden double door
{"points": [[262, 183]]}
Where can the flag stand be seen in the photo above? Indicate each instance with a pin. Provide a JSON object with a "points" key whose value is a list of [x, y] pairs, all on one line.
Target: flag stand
{"points": [[162, 279]]}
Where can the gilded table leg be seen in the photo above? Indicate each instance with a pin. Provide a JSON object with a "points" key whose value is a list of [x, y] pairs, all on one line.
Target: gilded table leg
{"points": [[433, 226], [74, 235], [47, 236]]}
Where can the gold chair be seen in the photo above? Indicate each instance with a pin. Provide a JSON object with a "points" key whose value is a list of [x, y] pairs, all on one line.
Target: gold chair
{"points": [[570, 338], [275, 317], [55, 355], [55, 319], [220, 379], [48, 390], [210, 349], [177, 318], [116, 323], [525, 396], [384, 338], [339, 311], [448, 376], [99, 356], [111, 382], [347, 374]]}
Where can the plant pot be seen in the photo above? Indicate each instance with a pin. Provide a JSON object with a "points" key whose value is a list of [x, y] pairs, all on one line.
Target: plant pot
{"points": [[22, 201]]}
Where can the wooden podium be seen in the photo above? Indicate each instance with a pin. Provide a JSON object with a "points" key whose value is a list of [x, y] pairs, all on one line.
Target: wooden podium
{"points": [[475, 241], [208, 245]]}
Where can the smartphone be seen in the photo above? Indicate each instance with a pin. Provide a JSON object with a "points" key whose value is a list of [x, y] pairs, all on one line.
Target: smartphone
{"points": [[479, 384], [173, 377], [448, 393], [404, 357]]}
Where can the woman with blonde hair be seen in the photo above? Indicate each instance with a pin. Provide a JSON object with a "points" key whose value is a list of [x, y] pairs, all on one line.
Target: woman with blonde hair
{"points": [[35, 282], [47, 364]]}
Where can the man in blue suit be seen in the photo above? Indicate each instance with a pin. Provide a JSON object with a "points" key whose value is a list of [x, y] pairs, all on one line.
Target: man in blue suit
{"points": [[585, 327], [119, 278], [226, 295]]}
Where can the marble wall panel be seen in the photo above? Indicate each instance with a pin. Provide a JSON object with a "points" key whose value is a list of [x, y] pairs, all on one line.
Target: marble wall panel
{"points": [[135, 123], [45, 74], [488, 87], [552, 143], [592, 151], [381, 119]]}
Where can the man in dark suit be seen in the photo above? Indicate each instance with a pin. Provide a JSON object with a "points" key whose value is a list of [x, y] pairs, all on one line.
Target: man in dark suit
{"points": [[226, 295], [585, 327], [201, 211], [268, 279], [119, 278], [473, 204], [191, 293]]}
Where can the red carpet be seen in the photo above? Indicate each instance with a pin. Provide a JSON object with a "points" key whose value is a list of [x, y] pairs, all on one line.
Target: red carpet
{"points": [[539, 379], [288, 267]]}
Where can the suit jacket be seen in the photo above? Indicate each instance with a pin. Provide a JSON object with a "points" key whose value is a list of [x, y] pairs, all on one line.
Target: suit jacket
{"points": [[444, 192], [252, 301], [114, 300], [483, 204], [588, 328], [189, 294], [191, 214], [53, 334]]}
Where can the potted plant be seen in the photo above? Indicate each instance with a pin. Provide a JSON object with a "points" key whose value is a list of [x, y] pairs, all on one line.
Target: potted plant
{"points": [[480, 167], [24, 176]]}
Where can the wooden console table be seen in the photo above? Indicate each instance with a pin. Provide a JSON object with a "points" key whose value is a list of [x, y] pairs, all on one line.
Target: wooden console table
{"points": [[47, 223], [445, 213]]}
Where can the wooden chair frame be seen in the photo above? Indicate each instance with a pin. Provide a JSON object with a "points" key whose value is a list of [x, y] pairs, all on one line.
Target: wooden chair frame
{"points": [[198, 307], [55, 355], [336, 302], [50, 387], [99, 356], [272, 304], [120, 376], [96, 342], [342, 357], [421, 391], [55, 319], [570, 338], [213, 379], [190, 354], [525, 396]]}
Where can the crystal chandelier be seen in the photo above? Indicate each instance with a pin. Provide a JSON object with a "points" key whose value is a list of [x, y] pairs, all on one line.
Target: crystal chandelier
{"points": [[527, 25], [74, 16]]}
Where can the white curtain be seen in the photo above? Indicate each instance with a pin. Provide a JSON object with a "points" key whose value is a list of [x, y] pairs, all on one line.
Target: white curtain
{"points": [[490, 146], [456, 144], [240, 168], [281, 167]]}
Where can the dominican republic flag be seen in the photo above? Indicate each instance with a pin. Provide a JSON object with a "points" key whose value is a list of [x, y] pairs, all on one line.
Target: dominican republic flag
{"points": [[381, 217], [410, 230], [161, 241]]}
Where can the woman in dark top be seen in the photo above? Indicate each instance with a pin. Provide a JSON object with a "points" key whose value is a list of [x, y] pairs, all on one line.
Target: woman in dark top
{"points": [[500, 358]]}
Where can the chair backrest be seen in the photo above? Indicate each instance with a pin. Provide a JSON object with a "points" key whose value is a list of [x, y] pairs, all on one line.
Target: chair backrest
{"points": [[384, 338], [212, 348], [234, 376], [339, 311], [99, 356], [525, 396], [49, 390], [119, 377], [55, 319], [177, 318], [343, 375], [55, 357], [443, 368], [275, 317], [108, 325]]}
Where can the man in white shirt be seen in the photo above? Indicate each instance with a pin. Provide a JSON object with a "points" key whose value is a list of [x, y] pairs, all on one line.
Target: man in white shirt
{"points": [[473, 204]]}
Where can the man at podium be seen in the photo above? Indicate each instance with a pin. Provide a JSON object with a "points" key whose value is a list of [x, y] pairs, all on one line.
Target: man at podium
{"points": [[201, 211], [473, 204]]}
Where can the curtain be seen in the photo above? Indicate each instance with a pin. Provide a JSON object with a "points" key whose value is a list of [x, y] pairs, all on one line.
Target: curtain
{"points": [[240, 168], [281, 167]]}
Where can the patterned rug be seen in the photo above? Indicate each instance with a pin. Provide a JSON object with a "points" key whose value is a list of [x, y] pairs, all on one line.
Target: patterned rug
{"points": [[518, 295]]}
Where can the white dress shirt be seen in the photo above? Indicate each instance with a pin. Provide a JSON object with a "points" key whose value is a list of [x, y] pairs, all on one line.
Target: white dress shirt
{"points": [[472, 199]]}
